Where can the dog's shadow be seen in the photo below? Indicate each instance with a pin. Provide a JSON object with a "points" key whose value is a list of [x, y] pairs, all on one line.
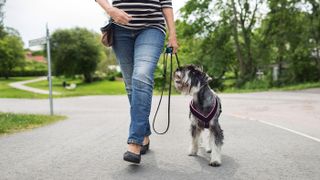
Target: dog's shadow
{"points": [[228, 163], [149, 169]]}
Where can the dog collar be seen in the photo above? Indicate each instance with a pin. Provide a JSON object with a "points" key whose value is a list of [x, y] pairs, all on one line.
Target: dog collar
{"points": [[204, 119]]}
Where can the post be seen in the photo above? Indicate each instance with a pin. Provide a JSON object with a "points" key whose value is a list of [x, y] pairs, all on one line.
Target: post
{"points": [[49, 70]]}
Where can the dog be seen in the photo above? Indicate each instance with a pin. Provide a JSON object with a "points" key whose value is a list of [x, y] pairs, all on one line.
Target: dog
{"points": [[205, 109]]}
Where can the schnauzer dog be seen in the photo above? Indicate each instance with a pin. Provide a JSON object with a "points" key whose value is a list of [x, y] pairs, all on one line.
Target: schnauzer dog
{"points": [[205, 109]]}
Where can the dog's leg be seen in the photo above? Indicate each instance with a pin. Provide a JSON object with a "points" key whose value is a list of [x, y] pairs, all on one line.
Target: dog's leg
{"points": [[195, 134], [217, 133], [209, 143]]}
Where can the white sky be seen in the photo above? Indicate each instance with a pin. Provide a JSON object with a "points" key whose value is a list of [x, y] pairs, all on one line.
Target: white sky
{"points": [[29, 17]]}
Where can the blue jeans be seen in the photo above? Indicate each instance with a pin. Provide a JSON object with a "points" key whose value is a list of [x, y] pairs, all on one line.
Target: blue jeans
{"points": [[138, 52]]}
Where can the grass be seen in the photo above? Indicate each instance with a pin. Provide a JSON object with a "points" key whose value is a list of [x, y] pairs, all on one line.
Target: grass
{"points": [[294, 87], [109, 88], [10, 123], [8, 92], [95, 88]]}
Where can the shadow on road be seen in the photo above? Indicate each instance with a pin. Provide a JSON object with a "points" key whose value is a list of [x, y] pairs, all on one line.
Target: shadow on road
{"points": [[152, 168]]}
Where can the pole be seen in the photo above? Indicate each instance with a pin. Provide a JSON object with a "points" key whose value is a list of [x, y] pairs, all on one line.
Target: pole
{"points": [[49, 70]]}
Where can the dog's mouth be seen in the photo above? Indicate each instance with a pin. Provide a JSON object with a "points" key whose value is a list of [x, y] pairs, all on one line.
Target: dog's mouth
{"points": [[178, 81], [177, 78]]}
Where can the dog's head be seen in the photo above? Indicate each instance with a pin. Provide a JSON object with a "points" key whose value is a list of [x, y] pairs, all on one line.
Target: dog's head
{"points": [[190, 78]]}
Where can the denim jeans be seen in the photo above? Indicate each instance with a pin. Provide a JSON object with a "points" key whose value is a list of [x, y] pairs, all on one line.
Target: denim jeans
{"points": [[137, 53]]}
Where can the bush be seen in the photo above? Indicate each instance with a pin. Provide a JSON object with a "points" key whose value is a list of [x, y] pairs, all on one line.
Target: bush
{"points": [[257, 84], [26, 73], [111, 75]]}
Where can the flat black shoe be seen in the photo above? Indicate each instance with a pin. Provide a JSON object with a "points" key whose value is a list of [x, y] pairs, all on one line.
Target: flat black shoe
{"points": [[132, 157], [144, 148]]}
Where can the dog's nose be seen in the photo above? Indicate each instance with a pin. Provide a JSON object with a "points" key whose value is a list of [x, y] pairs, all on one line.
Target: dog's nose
{"points": [[177, 76]]}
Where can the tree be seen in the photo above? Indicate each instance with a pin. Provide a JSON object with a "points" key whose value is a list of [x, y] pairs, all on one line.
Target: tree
{"points": [[11, 54], [314, 17], [75, 51], [245, 16], [2, 31], [223, 24], [288, 29]]}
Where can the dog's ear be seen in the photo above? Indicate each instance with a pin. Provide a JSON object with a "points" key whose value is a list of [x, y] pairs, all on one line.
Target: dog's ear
{"points": [[200, 67], [208, 78]]}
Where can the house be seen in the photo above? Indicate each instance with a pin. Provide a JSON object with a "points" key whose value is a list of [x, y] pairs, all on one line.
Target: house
{"points": [[37, 58]]}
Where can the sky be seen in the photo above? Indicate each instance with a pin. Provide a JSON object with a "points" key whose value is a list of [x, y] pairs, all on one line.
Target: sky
{"points": [[29, 17]]}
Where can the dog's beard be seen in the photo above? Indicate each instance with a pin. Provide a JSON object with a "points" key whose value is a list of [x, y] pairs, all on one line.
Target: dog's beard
{"points": [[183, 84]]}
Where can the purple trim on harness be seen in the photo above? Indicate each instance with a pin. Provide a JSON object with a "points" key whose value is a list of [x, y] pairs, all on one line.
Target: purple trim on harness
{"points": [[205, 119]]}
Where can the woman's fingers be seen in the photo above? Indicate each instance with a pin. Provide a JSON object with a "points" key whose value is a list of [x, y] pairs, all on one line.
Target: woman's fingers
{"points": [[119, 16], [172, 42], [125, 17]]}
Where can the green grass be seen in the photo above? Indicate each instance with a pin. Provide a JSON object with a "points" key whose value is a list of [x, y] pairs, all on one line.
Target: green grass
{"points": [[95, 88], [8, 92], [82, 89], [109, 88], [10, 123], [294, 87]]}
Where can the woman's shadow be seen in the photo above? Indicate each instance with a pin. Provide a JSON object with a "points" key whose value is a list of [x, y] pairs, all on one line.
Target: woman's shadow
{"points": [[149, 169]]}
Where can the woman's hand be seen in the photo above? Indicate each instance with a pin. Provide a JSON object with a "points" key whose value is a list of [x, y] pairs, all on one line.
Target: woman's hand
{"points": [[118, 15], [172, 42]]}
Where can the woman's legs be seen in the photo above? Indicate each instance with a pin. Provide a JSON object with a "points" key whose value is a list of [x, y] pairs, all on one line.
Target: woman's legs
{"points": [[147, 49], [123, 47], [137, 54]]}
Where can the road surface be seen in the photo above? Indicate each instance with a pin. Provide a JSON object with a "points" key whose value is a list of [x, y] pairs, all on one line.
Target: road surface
{"points": [[269, 135]]}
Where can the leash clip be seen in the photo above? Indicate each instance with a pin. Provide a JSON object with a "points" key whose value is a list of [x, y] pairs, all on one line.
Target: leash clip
{"points": [[169, 50]]}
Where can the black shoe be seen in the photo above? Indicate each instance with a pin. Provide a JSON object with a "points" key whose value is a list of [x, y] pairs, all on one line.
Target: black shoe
{"points": [[132, 157], [144, 148]]}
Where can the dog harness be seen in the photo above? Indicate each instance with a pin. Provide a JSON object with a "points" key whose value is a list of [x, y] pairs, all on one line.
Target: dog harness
{"points": [[204, 119]]}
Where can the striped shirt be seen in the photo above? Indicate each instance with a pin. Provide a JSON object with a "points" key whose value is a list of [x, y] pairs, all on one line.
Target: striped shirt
{"points": [[145, 13]]}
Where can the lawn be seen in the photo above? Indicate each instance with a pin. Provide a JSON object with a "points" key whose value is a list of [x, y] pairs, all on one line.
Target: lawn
{"points": [[105, 88], [285, 88], [8, 92], [95, 88], [10, 123]]}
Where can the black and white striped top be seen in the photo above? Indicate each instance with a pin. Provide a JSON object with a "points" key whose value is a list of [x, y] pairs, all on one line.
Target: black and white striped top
{"points": [[145, 13]]}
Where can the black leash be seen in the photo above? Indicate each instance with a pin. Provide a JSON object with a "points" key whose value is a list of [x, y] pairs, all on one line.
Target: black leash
{"points": [[165, 58]]}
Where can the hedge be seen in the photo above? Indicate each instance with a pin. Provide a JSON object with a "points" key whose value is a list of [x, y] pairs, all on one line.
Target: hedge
{"points": [[25, 73]]}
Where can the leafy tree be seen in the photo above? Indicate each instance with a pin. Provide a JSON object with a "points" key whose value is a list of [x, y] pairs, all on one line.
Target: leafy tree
{"points": [[226, 29], [314, 29], [245, 16], [288, 31], [2, 31], [75, 51], [11, 53]]}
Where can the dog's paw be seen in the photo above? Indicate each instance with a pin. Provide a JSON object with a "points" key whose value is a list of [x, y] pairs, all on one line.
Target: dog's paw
{"points": [[215, 163], [193, 152], [208, 150]]}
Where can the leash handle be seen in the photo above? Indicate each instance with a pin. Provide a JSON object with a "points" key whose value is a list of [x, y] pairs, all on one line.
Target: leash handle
{"points": [[169, 50], [165, 58]]}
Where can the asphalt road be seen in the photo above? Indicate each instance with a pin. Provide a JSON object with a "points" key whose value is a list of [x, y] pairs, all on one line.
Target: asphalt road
{"points": [[272, 135]]}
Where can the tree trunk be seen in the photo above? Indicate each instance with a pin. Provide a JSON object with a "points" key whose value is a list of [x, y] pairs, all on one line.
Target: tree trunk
{"points": [[237, 43], [318, 61], [250, 70], [87, 77]]}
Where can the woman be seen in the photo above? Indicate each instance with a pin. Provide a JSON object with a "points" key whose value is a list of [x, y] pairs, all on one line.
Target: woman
{"points": [[139, 35]]}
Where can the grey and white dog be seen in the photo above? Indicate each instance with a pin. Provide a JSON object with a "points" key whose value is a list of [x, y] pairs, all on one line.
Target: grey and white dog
{"points": [[205, 109]]}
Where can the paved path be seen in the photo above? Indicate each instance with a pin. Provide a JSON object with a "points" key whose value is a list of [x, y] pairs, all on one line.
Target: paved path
{"points": [[21, 85], [90, 144]]}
